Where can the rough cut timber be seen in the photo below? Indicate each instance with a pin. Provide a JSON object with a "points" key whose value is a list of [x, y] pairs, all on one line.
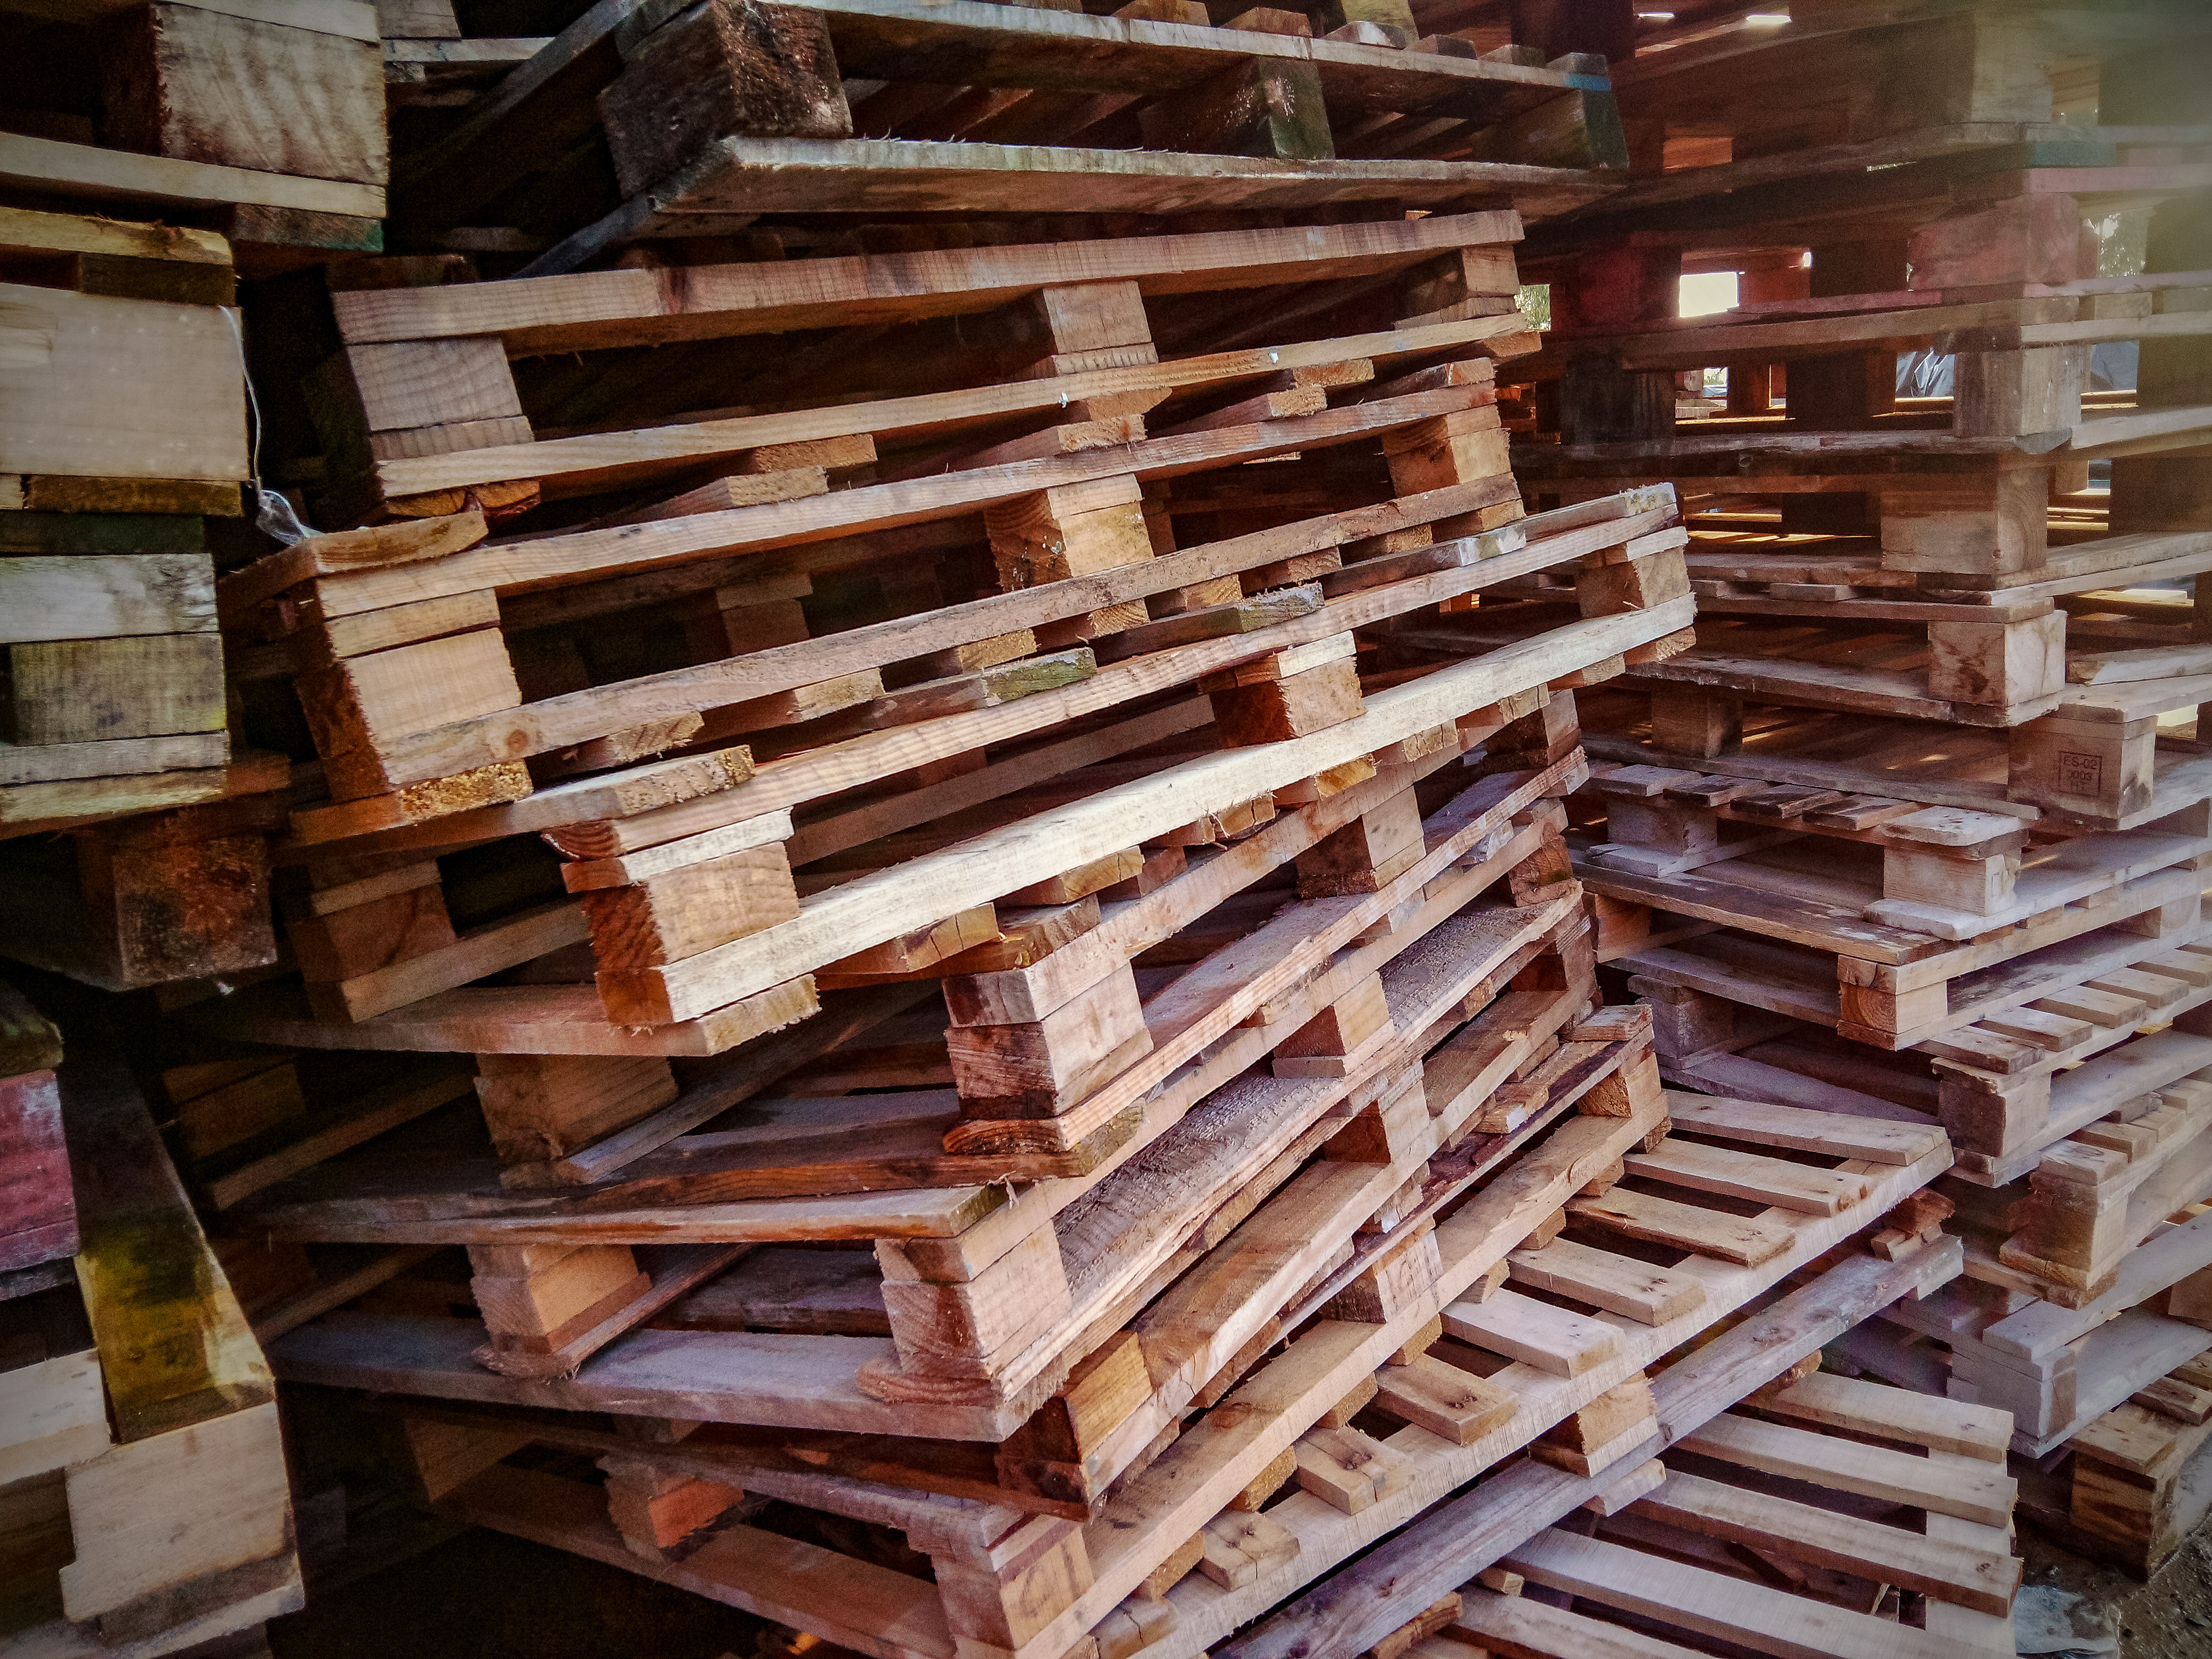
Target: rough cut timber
{"points": [[38, 1210]]}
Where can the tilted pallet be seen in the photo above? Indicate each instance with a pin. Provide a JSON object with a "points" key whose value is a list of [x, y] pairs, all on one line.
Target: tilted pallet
{"points": [[1674, 1557], [1399, 1580], [713, 115], [683, 966]]}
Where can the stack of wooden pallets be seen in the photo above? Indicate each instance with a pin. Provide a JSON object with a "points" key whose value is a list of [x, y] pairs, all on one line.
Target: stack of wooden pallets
{"points": [[1210, 991], [256, 136], [263, 125], [116, 721], [682, 123], [1058, 876], [942, 927], [1918, 830], [1918, 574], [143, 1473]]}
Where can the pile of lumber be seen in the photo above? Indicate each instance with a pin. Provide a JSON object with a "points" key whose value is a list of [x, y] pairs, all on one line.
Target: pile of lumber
{"points": [[263, 125], [899, 916], [1916, 832], [142, 1474], [124, 456]]}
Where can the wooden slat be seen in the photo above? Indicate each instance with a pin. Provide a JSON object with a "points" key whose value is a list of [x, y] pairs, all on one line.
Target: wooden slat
{"points": [[1751, 1615], [1621, 1284], [1735, 1174], [1848, 1466], [1804, 1532], [1800, 1130], [1745, 1240], [1867, 1407]]}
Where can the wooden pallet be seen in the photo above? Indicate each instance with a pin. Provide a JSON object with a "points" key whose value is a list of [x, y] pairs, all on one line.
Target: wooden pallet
{"points": [[2138, 1472], [2099, 581], [389, 762], [2005, 1089], [1365, 1603], [2087, 755], [1735, 969], [2125, 776], [1435, 964], [2095, 1196], [423, 402], [2087, 752], [637, 839], [1237, 118], [1179, 1495], [1949, 873], [1673, 1559]]}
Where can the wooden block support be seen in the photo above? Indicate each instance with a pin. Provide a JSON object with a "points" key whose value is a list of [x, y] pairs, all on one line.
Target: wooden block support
{"points": [[729, 69], [1273, 711], [1039, 1068], [2101, 768], [1997, 663], [1367, 854], [1698, 724], [537, 1299], [545, 1106], [1270, 106], [965, 1327]]}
